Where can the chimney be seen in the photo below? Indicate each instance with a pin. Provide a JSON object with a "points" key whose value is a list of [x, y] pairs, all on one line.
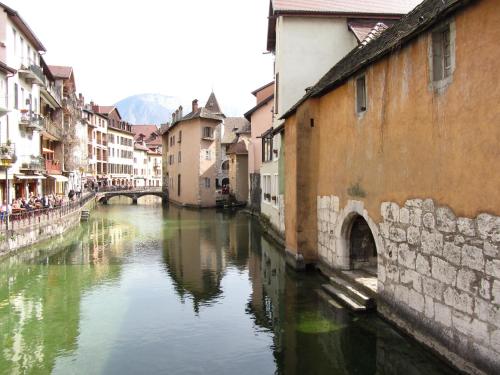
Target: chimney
{"points": [[173, 117], [180, 112], [195, 105]]}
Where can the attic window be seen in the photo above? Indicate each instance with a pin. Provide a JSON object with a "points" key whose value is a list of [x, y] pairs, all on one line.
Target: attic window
{"points": [[441, 53], [361, 94]]}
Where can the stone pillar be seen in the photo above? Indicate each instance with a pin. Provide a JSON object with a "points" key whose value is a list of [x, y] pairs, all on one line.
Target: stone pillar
{"points": [[134, 199]]}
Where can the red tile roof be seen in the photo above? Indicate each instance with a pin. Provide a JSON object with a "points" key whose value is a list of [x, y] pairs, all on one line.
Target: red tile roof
{"points": [[103, 109], [364, 29], [63, 72], [151, 134], [346, 6]]}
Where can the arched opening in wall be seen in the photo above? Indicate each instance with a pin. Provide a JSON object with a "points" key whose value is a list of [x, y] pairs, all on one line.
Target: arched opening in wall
{"points": [[362, 247]]}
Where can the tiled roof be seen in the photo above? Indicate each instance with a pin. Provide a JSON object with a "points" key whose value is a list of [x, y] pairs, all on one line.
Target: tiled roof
{"points": [[238, 124], [239, 148], [212, 104], [103, 109], [63, 72], [374, 33], [345, 6], [138, 146], [362, 29], [211, 111], [234, 126], [151, 134], [408, 28]]}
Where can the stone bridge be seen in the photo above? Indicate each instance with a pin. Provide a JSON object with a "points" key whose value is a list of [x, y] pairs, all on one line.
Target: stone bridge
{"points": [[104, 195]]}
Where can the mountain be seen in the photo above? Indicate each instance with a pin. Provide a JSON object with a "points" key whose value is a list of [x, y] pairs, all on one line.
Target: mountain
{"points": [[148, 108]]}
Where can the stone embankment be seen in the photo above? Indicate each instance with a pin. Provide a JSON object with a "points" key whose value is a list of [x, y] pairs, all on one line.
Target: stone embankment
{"points": [[42, 225]]}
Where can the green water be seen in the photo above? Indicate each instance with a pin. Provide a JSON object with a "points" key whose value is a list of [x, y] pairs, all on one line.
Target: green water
{"points": [[146, 290]]}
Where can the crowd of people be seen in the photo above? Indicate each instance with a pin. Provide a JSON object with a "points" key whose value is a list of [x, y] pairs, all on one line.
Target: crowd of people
{"points": [[33, 202]]}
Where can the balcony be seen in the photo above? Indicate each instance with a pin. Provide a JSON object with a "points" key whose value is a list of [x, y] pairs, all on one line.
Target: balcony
{"points": [[52, 128], [53, 166], [32, 74], [7, 154], [32, 163], [31, 120]]}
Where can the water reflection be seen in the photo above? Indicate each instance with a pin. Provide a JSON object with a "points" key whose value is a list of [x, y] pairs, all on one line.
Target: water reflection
{"points": [[40, 297], [141, 289]]}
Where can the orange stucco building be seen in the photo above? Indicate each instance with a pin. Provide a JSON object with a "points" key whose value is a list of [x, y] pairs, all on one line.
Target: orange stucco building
{"points": [[401, 139]]}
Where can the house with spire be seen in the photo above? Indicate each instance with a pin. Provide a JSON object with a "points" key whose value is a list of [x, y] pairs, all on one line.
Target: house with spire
{"points": [[192, 153]]}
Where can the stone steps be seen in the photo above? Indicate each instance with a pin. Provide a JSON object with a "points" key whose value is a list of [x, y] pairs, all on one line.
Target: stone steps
{"points": [[349, 294]]}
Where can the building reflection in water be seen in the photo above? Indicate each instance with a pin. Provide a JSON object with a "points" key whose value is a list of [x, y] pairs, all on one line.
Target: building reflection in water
{"points": [[199, 245], [40, 295]]}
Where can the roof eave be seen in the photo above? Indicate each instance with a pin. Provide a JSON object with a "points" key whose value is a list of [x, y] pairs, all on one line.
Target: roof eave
{"points": [[23, 26]]}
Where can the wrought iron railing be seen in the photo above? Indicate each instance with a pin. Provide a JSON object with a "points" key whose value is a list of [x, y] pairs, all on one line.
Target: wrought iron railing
{"points": [[33, 163]]}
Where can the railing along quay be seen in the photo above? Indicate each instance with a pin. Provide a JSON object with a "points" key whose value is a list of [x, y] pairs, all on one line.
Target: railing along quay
{"points": [[41, 216]]}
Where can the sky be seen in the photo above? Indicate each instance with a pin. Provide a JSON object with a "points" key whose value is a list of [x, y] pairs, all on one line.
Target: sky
{"points": [[182, 48]]}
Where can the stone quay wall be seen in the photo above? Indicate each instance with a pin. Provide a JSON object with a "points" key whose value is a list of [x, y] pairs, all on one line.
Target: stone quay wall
{"points": [[17, 239], [438, 274]]}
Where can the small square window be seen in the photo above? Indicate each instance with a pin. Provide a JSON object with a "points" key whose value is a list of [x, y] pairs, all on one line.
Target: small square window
{"points": [[361, 94]]}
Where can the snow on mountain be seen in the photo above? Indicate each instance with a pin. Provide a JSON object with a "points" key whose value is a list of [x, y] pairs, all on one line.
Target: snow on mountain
{"points": [[148, 108]]}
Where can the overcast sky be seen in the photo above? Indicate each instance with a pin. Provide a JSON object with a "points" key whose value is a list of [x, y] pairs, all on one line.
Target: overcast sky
{"points": [[180, 48]]}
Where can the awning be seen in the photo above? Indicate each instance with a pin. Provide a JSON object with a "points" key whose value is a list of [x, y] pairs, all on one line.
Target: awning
{"points": [[28, 177], [47, 150], [58, 177]]}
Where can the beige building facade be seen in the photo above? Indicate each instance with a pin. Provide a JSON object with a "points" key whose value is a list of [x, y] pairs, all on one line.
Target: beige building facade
{"points": [[191, 154]]}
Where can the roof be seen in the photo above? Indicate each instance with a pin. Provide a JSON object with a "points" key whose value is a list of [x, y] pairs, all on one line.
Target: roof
{"points": [[7, 69], [151, 134], [401, 33], [345, 6], [239, 124], [24, 28], [63, 72], [238, 148], [103, 109], [362, 28], [138, 146], [254, 92], [211, 111], [212, 104], [334, 8], [250, 112]]}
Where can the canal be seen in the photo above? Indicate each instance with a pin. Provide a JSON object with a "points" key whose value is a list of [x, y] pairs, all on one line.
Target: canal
{"points": [[146, 290]]}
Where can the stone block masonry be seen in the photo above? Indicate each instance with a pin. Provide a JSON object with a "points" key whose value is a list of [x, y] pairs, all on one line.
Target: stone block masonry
{"points": [[454, 292], [438, 274]]}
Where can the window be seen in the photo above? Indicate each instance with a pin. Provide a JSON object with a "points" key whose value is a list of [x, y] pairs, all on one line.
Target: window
{"points": [[208, 132], [206, 182], [179, 157], [208, 155], [361, 94], [267, 147], [266, 188], [274, 194], [180, 136], [441, 54]]}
